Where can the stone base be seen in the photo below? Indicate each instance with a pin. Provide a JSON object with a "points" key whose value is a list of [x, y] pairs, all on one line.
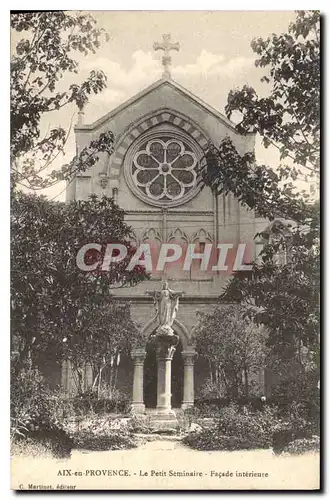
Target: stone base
{"points": [[184, 406], [163, 420], [138, 408]]}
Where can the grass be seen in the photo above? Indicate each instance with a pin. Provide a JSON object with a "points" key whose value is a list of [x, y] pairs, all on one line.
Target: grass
{"points": [[30, 447]]}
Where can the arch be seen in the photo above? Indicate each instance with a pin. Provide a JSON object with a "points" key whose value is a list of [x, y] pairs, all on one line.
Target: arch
{"points": [[153, 234], [146, 123], [177, 231], [202, 235], [178, 327]]}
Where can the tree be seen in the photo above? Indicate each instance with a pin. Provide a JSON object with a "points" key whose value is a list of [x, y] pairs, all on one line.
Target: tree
{"points": [[286, 299], [105, 334], [52, 299], [38, 65], [289, 117], [234, 346]]}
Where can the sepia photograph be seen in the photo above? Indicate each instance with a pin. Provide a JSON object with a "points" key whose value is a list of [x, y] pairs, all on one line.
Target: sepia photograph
{"points": [[165, 250]]}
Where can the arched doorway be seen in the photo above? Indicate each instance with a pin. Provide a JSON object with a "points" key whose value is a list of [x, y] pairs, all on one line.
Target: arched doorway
{"points": [[150, 377]]}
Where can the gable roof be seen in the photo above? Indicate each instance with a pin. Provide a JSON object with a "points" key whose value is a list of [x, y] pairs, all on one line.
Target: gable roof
{"points": [[148, 90]]}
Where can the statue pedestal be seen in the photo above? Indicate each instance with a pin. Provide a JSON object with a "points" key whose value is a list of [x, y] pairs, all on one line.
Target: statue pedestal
{"points": [[160, 422], [165, 342]]}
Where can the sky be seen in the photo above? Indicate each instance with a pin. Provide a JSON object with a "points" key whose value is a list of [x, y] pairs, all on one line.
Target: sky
{"points": [[215, 57]]}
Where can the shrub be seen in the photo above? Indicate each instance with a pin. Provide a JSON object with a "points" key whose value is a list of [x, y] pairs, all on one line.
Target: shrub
{"points": [[30, 447], [210, 440], [104, 433], [139, 424], [116, 441], [35, 413], [236, 428], [303, 417], [304, 445], [89, 402], [272, 426], [298, 421]]}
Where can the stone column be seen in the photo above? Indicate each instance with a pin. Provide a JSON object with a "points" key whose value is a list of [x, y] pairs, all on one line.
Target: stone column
{"points": [[115, 194], [138, 356], [188, 379], [165, 348]]}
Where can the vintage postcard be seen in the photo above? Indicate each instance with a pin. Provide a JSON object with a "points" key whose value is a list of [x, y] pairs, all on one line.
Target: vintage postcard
{"points": [[165, 250]]}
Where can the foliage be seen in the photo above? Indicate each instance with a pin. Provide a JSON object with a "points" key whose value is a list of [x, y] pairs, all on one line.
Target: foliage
{"points": [[38, 65], [33, 413], [289, 117], [208, 440], [236, 428], [256, 187], [116, 441], [303, 445], [55, 305], [31, 447], [29, 404], [232, 426], [289, 429], [90, 402], [139, 424], [294, 381], [233, 345], [103, 433], [210, 390], [285, 298], [41, 419]]}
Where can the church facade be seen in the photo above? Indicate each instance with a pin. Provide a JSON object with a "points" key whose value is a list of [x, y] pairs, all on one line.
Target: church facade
{"points": [[160, 138]]}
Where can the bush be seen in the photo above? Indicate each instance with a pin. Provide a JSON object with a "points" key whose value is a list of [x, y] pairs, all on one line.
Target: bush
{"points": [[104, 433], [35, 412], [116, 441], [297, 423], [210, 440], [30, 447], [299, 446], [140, 424], [236, 428], [89, 402]]}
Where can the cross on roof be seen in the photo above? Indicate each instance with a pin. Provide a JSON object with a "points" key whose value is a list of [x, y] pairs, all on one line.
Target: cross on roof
{"points": [[166, 46]]}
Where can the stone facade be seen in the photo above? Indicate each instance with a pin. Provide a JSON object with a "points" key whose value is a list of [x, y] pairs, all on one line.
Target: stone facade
{"points": [[165, 111]]}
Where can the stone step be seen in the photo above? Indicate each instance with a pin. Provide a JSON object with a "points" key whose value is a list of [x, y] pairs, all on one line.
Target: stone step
{"points": [[158, 437]]}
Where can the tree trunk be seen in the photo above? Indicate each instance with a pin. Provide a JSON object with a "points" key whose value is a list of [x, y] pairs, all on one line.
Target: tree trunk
{"points": [[246, 382], [211, 371]]}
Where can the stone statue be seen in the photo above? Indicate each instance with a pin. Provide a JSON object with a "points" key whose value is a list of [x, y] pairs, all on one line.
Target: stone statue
{"points": [[166, 304]]}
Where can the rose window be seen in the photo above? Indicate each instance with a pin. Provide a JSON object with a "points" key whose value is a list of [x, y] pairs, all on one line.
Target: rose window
{"points": [[164, 169]]}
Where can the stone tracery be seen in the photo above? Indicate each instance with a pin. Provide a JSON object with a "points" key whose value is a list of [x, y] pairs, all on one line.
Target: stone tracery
{"points": [[165, 169]]}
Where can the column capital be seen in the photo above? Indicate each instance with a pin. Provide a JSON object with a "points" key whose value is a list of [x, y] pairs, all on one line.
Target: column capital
{"points": [[165, 351], [138, 355], [189, 357], [165, 345]]}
